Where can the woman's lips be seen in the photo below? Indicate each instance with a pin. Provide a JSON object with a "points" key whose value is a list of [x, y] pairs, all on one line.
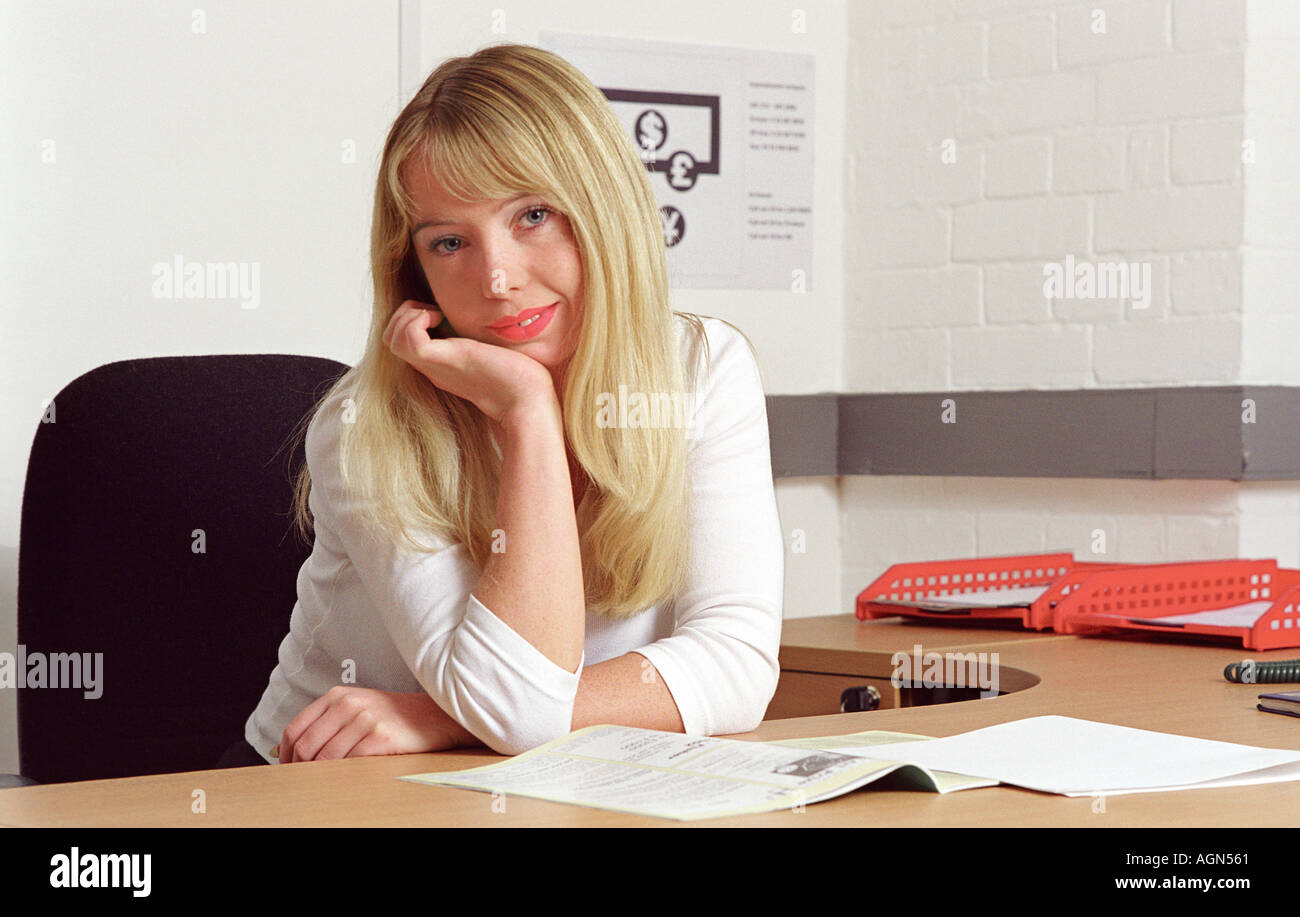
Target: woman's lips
{"points": [[507, 321], [537, 319]]}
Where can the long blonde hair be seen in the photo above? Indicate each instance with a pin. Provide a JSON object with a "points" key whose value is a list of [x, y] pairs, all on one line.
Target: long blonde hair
{"points": [[508, 120]]}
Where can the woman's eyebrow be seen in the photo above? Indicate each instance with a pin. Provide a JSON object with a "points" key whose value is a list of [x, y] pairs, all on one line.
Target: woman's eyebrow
{"points": [[438, 221]]}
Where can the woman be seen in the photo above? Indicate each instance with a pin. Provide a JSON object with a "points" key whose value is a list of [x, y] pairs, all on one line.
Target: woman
{"points": [[504, 551]]}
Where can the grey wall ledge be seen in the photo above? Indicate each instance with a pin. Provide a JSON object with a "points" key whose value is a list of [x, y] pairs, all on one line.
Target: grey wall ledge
{"points": [[1234, 432]]}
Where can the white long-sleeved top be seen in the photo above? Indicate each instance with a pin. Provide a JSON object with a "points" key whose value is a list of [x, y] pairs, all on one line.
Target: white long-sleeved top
{"points": [[382, 615]]}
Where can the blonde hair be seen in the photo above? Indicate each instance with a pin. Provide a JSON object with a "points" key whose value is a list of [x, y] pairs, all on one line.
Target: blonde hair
{"points": [[508, 120]]}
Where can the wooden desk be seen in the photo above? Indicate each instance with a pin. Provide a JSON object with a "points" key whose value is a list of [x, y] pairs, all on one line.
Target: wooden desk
{"points": [[1145, 683], [821, 657]]}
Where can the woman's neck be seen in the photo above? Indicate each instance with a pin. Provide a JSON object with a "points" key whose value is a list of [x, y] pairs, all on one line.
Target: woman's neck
{"points": [[557, 379]]}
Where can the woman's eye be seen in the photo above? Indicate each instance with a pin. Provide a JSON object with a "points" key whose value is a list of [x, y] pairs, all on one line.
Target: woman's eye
{"points": [[541, 213], [533, 217]]}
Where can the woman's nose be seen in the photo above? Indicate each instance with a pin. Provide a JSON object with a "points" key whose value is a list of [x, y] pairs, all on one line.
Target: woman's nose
{"points": [[502, 270]]}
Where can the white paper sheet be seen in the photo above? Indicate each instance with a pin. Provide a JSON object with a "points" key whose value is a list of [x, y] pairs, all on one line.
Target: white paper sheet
{"points": [[992, 598], [1233, 616], [1061, 754]]}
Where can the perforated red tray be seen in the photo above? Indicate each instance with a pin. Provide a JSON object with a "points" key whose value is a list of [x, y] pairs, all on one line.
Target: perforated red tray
{"points": [[1254, 601]]}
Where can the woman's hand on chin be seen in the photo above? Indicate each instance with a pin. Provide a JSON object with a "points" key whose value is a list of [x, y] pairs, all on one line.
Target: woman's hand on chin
{"points": [[495, 379]]}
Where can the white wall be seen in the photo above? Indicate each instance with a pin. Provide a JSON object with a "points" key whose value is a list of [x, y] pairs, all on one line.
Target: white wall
{"points": [[1122, 146], [1117, 145], [1270, 266]]}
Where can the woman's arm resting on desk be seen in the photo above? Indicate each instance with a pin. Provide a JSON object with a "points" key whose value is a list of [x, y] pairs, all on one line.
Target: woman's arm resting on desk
{"points": [[625, 691], [349, 722], [352, 722]]}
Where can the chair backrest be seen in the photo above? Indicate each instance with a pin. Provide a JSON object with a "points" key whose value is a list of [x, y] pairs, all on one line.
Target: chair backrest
{"points": [[157, 530]]}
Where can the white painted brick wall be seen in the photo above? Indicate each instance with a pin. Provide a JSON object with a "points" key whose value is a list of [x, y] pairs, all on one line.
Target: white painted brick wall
{"points": [[1147, 162], [1157, 297], [1205, 151], [941, 179], [1208, 23], [1017, 167], [1208, 537], [901, 361], [1174, 219], [909, 237], [1014, 293], [1271, 167], [1204, 351], [1205, 283], [1179, 85], [1088, 536], [1021, 47], [889, 520], [1272, 535], [1089, 160], [1140, 539], [810, 520], [1010, 533], [926, 298], [1122, 145], [951, 53], [1058, 356], [1093, 33], [1027, 103], [995, 230]]}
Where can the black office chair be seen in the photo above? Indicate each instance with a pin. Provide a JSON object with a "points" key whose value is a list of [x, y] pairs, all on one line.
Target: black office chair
{"points": [[157, 530]]}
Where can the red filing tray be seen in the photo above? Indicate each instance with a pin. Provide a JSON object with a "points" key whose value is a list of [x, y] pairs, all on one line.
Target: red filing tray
{"points": [[1128, 600], [947, 579], [1084, 598]]}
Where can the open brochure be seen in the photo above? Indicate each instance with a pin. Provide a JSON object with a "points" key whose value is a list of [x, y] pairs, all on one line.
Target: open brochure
{"points": [[1073, 757], [670, 775]]}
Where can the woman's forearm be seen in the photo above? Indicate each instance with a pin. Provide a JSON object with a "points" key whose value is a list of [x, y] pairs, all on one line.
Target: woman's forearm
{"points": [[625, 691], [535, 583]]}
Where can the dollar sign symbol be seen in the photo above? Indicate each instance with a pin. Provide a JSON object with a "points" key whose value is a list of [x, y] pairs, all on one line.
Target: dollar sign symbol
{"points": [[652, 131]]}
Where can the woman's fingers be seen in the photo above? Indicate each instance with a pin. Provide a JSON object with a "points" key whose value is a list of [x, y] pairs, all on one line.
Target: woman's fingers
{"points": [[407, 312], [298, 725], [489, 376], [374, 742], [348, 737], [335, 731]]}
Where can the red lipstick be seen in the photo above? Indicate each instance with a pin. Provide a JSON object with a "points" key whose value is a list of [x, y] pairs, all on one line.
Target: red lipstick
{"points": [[509, 326]]}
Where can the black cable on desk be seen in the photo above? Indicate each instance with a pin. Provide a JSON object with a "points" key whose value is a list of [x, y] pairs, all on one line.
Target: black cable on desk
{"points": [[1249, 672]]}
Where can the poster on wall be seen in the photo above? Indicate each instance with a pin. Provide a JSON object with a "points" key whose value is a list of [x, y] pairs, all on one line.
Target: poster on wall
{"points": [[727, 136]]}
